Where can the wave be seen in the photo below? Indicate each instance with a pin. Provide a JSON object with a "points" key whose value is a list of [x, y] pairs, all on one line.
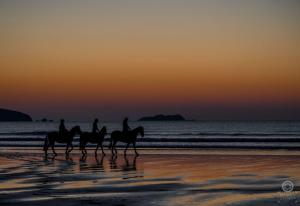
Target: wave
{"points": [[227, 134], [148, 139], [24, 133]]}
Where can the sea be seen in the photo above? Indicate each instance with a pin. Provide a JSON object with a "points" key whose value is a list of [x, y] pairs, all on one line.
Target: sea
{"points": [[172, 134]]}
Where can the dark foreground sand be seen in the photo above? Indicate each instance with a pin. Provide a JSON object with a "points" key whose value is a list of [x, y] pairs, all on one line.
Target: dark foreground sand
{"points": [[156, 177]]}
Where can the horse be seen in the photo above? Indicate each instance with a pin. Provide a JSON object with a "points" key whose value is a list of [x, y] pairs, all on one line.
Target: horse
{"points": [[68, 137], [129, 137], [96, 138]]}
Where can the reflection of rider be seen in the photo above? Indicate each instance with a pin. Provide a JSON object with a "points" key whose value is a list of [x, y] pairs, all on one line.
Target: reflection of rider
{"points": [[126, 128], [95, 126], [62, 128]]}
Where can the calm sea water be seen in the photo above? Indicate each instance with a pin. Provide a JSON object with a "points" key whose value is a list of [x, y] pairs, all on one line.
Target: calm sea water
{"points": [[191, 134]]}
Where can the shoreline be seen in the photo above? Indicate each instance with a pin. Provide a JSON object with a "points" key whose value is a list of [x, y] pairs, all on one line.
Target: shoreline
{"points": [[173, 151]]}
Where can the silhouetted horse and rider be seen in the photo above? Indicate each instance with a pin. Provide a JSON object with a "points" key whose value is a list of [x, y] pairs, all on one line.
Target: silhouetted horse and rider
{"points": [[95, 137], [127, 136], [63, 136]]}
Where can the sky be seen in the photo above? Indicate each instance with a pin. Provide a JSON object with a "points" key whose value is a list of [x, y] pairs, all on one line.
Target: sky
{"points": [[206, 60]]}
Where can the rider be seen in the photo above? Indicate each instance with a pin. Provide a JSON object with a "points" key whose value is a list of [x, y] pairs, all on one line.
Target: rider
{"points": [[62, 128], [95, 126], [126, 128]]}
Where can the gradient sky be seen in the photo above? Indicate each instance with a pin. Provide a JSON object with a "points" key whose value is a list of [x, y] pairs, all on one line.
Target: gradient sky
{"points": [[214, 59]]}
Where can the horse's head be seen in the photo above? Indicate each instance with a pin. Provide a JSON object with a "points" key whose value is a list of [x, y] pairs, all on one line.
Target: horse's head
{"points": [[76, 130], [103, 131]]}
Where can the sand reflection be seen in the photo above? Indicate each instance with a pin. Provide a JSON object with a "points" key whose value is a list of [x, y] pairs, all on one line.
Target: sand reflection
{"points": [[150, 179]]}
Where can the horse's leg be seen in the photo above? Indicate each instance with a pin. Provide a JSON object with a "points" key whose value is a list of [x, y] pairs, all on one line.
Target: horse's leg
{"points": [[126, 149], [46, 145], [137, 154], [112, 147], [46, 149], [96, 149], [83, 157], [115, 149], [103, 153], [83, 149], [67, 148], [52, 145], [71, 147]]}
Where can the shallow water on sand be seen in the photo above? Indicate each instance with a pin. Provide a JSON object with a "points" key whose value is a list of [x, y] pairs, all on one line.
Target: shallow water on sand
{"points": [[153, 178]]}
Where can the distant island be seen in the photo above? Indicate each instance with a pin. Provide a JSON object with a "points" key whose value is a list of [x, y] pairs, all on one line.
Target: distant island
{"points": [[13, 116], [44, 120], [161, 117]]}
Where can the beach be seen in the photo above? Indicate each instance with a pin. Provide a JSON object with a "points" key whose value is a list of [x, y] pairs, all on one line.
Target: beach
{"points": [[156, 177], [202, 95]]}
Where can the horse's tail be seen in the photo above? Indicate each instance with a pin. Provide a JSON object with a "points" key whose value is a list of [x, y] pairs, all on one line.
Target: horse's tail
{"points": [[46, 143]]}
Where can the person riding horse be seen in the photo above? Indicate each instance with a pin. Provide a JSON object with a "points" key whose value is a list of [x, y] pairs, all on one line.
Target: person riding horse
{"points": [[95, 126], [126, 128], [62, 129], [94, 137]]}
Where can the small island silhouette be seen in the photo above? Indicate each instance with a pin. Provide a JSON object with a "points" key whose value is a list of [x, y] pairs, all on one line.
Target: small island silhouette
{"points": [[44, 120], [161, 117]]}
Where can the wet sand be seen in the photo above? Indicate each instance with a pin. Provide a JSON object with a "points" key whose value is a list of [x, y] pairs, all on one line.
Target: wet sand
{"points": [[156, 177]]}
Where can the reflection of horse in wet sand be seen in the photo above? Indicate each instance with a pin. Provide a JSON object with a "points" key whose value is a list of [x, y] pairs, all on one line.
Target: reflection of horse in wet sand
{"points": [[126, 167], [129, 137], [67, 138], [129, 166], [84, 166], [95, 138]]}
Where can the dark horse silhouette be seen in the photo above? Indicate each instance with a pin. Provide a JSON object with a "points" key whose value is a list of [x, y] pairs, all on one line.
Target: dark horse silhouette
{"points": [[129, 138], [68, 137], [96, 138]]}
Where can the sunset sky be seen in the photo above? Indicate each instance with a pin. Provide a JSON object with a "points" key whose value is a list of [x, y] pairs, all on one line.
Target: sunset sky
{"points": [[214, 59]]}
